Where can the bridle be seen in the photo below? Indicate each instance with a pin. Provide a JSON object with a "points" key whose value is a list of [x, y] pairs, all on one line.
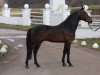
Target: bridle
{"points": [[93, 29], [85, 7]]}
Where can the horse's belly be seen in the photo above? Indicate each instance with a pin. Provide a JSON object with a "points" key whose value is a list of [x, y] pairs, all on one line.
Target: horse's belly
{"points": [[55, 38], [59, 37]]}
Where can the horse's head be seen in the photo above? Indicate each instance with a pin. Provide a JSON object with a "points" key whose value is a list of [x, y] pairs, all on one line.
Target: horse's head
{"points": [[82, 14]]}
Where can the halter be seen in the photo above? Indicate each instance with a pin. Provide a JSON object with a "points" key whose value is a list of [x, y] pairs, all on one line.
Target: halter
{"points": [[86, 8], [93, 29]]}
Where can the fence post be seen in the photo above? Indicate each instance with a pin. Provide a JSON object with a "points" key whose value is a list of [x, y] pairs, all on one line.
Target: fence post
{"points": [[26, 11], [46, 15], [89, 12], [66, 12], [6, 11], [26, 14]]}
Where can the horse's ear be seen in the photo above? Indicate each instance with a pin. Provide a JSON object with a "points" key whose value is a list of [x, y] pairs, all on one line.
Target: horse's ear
{"points": [[85, 7], [82, 8]]}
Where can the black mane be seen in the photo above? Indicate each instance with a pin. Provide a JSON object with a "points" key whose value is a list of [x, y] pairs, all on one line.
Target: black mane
{"points": [[71, 22]]}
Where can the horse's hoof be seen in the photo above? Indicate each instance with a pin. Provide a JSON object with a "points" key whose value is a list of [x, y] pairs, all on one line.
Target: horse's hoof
{"points": [[27, 67], [64, 65], [70, 65], [38, 66]]}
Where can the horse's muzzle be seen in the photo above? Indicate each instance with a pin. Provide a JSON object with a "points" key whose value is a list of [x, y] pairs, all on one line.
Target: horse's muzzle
{"points": [[89, 20]]}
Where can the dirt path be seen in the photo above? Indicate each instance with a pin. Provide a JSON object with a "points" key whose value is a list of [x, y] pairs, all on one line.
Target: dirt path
{"points": [[85, 61]]}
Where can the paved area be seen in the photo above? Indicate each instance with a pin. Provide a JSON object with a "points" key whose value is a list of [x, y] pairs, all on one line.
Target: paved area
{"points": [[10, 32], [85, 61]]}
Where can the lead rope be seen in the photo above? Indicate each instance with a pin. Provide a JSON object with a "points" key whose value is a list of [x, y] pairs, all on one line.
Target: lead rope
{"points": [[93, 29]]}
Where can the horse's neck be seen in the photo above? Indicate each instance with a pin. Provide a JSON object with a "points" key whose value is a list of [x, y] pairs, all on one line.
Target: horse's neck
{"points": [[71, 23]]}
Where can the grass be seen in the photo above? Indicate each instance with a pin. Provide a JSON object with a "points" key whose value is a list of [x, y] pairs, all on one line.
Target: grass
{"points": [[15, 12], [4, 55], [90, 42], [16, 27]]}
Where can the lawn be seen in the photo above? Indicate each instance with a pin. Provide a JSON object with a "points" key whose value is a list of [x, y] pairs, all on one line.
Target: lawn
{"points": [[90, 42], [15, 12], [15, 27], [4, 55]]}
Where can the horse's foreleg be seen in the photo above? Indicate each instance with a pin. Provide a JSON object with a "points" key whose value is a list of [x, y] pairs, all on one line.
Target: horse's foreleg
{"points": [[64, 53], [68, 54]]}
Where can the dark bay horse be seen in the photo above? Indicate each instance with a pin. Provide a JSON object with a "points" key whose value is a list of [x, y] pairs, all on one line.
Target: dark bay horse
{"points": [[64, 32]]}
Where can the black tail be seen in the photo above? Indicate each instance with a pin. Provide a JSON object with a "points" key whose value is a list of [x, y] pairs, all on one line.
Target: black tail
{"points": [[29, 45]]}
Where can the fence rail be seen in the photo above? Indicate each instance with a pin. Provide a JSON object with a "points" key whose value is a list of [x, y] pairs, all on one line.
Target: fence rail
{"points": [[96, 21]]}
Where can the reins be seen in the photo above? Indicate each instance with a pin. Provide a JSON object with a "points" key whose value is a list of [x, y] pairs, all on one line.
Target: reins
{"points": [[93, 29]]}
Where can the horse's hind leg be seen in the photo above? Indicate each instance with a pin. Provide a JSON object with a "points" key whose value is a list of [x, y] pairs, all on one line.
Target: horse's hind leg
{"points": [[29, 56], [35, 54], [27, 60]]}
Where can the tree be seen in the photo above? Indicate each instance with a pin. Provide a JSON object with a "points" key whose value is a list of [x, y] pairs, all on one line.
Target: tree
{"points": [[15, 3], [41, 3]]}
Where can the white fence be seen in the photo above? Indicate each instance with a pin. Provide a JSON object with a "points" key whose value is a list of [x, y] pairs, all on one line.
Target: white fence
{"points": [[15, 20], [83, 30], [24, 20], [49, 19]]}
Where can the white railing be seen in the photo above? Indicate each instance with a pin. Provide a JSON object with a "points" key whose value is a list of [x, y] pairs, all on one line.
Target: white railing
{"points": [[47, 17], [24, 20], [96, 21]]}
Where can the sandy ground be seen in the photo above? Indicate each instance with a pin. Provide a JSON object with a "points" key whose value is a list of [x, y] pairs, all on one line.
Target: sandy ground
{"points": [[85, 61]]}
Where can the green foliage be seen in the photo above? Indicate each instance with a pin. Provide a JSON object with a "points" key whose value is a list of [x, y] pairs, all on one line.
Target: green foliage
{"points": [[16, 27], [32, 3], [4, 55], [41, 3], [91, 41], [16, 12]]}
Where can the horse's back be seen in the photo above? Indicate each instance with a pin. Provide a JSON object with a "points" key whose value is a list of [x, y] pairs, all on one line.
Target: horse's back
{"points": [[51, 33], [38, 32], [42, 28]]}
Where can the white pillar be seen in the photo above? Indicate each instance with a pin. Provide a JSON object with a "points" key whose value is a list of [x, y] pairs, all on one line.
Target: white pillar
{"points": [[6, 11], [46, 15], [89, 12], [26, 12], [57, 6]]}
